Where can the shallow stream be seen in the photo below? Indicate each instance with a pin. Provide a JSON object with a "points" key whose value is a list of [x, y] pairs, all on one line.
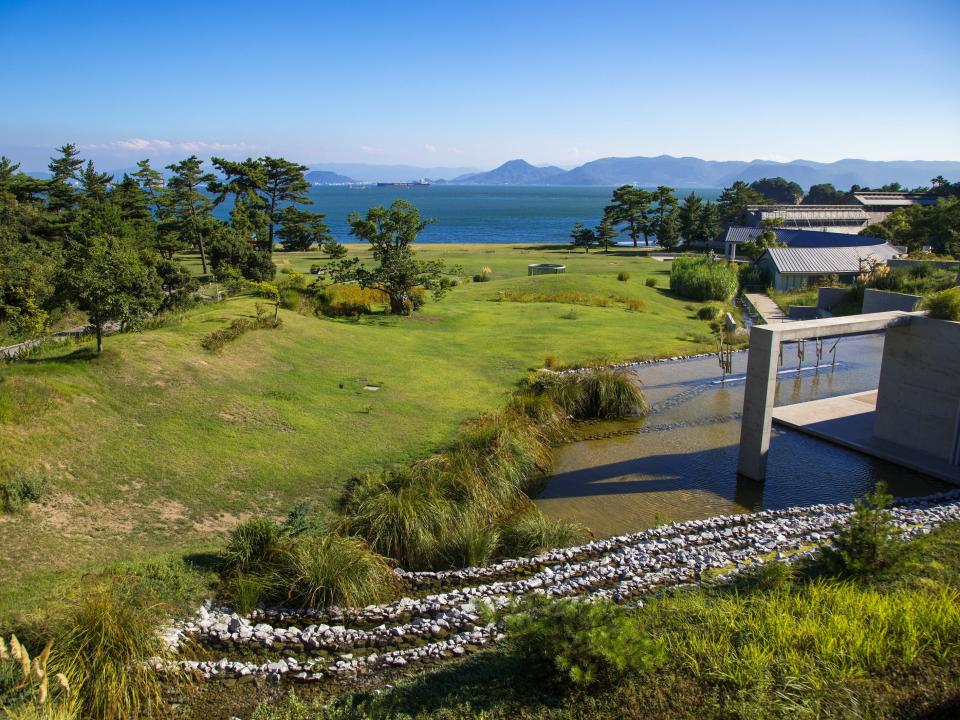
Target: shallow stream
{"points": [[680, 462]]}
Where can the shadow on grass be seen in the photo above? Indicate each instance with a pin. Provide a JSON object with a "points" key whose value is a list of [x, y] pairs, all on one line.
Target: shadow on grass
{"points": [[485, 681], [81, 354]]}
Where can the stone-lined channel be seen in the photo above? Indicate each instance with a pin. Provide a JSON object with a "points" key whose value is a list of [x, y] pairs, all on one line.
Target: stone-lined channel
{"points": [[449, 621]]}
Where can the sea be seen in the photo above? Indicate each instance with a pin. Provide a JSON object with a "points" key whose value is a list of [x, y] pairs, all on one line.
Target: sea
{"points": [[479, 214]]}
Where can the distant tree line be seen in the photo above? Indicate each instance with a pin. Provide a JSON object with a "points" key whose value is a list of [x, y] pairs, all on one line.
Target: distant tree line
{"points": [[84, 240], [641, 213]]}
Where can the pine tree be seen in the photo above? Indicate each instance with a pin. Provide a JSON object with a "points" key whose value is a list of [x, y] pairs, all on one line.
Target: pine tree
{"points": [[189, 207]]}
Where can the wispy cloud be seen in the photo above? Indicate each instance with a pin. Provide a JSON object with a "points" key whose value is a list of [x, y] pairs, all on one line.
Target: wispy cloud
{"points": [[430, 148], [143, 145]]}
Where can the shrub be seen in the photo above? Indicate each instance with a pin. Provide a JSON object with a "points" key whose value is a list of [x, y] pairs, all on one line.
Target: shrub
{"points": [[702, 278], [253, 544], [348, 300], [594, 394], [216, 340], [708, 312], [529, 532], [587, 643], [484, 275], [623, 276], [635, 305], [550, 361], [472, 542], [751, 276], [866, 545], [650, 282], [945, 305], [103, 641], [20, 490]]}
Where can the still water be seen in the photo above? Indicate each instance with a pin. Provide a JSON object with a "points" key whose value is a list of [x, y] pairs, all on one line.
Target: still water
{"points": [[681, 460], [476, 214]]}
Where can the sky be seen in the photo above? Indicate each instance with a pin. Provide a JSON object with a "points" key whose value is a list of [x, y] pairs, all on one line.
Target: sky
{"points": [[473, 84]]}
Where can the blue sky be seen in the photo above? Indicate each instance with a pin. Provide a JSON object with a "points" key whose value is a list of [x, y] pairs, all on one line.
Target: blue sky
{"points": [[475, 84]]}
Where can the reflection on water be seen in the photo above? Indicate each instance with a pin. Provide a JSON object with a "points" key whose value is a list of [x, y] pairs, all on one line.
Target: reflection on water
{"points": [[680, 462]]}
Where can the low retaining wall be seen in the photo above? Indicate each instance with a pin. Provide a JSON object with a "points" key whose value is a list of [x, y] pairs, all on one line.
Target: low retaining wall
{"points": [[803, 312], [881, 301], [827, 297]]}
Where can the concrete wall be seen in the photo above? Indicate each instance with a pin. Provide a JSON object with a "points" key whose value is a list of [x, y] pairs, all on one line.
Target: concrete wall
{"points": [[827, 297], [802, 312], [882, 301], [918, 403]]}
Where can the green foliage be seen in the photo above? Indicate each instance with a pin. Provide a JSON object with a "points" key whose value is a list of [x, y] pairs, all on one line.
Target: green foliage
{"points": [[733, 202], [778, 191], [216, 340], [102, 642], [631, 207], [751, 276], [650, 282], [867, 544], [945, 305], [231, 248], [21, 489], [824, 194], [301, 229], [333, 249], [584, 237], [109, 280], [702, 278], [917, 280], [623, 276], [587, 643], [391, 234]]}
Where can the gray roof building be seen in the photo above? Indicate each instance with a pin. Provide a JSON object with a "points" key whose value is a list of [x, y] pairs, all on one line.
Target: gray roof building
{"points": [[790, 268]]}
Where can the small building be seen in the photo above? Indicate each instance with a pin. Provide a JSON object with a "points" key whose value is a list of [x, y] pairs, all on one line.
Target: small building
{"points": [[790, 268]]}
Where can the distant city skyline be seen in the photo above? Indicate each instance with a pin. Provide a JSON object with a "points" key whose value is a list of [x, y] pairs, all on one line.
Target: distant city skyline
{"points": [[440, 84]]}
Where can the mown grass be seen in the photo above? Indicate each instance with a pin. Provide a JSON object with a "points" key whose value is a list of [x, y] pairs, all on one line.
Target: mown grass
{"points": [[158, 447], [773, 645]]}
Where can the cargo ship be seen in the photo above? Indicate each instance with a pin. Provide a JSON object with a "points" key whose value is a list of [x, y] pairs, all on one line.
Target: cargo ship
{"points": [[422, 182]]}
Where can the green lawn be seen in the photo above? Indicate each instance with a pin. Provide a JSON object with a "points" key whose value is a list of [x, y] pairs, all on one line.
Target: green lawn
{"points": [[158, 446]]}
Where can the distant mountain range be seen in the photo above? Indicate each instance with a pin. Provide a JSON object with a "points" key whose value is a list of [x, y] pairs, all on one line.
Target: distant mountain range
{"points": [[694, 172], [513, 172], [325, 177]]}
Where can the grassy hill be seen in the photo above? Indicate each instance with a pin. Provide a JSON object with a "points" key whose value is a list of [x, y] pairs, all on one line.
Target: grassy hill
{"points": [[159, 446]]}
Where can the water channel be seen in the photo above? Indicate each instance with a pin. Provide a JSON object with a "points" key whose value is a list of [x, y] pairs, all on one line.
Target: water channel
{"points": [[680, 461]]}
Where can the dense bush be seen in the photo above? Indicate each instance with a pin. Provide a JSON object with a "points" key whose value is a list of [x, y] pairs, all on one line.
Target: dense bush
{"points": [[945, 305], [751, 276], [650, 282], [702, 278], [623, 276], [709, 312], [915, 280], [587, 643], [17, 491], [217, 339]]}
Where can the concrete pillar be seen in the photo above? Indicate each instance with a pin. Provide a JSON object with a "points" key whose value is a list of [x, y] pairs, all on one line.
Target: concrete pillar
{"points": [[758, 402]]}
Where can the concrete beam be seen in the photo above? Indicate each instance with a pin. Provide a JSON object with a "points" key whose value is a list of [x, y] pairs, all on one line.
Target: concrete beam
{"points": [[761, 380]]}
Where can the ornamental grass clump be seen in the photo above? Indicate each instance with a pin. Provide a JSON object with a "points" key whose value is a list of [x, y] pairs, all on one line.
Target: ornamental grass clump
{"points": [[593, 394], [529, 532], [703, 279], [304, 563], [103, 642]]}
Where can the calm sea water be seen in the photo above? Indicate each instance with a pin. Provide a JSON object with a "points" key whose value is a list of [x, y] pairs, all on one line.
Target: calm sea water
{"points": [[467, 214]]}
